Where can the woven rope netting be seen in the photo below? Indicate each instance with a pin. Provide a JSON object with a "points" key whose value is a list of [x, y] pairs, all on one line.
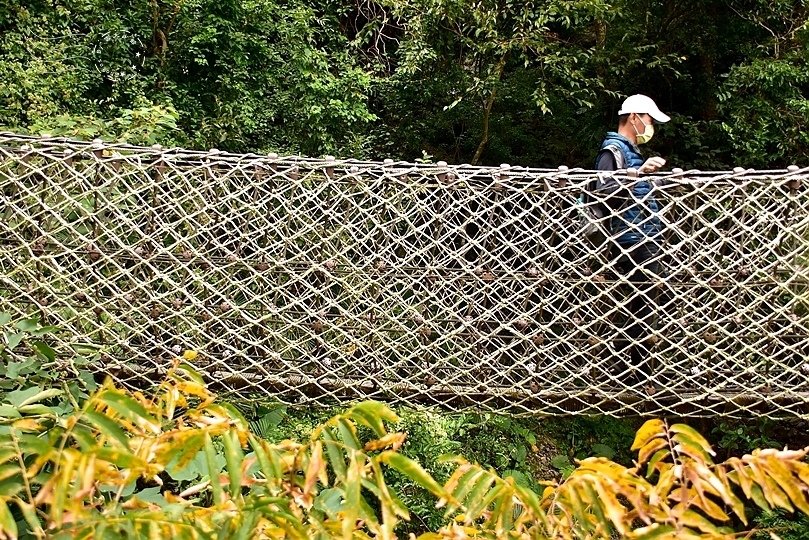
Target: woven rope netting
{"points": [[314, 281]]}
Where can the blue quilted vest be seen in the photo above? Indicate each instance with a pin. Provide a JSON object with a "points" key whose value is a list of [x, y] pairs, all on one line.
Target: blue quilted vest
{"points": [[638, 222]]}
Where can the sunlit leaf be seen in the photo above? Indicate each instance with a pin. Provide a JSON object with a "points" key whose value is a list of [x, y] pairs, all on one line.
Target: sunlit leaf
{"points": [[651, 429], [106, 427], [655, 531], [650, 449], [658, 456], [129, 409], [372, 414], [693, 435], [695, 450], [783, 477]]}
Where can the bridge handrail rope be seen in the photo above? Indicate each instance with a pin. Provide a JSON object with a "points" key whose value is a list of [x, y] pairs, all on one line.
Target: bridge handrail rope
{"points": [[315, 280]]}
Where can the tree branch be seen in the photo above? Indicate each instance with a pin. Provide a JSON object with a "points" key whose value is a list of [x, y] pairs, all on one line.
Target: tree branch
{"points": [[487, 112]]}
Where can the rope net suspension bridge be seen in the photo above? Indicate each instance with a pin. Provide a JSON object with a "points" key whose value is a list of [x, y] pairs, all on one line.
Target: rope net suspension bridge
{"points": [[319, 280]]}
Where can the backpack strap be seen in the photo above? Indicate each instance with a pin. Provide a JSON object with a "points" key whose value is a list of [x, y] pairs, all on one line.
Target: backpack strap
{"points": [[617, 154]]}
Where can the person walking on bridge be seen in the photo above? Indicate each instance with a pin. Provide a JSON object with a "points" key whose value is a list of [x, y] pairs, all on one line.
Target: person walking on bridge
{"points": [[636, 231]]}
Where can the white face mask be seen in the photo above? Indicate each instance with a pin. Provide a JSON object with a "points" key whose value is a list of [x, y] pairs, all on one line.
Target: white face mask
{"points": [[648, 132]]}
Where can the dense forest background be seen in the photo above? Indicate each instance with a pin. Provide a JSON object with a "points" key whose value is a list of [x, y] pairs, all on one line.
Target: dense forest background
{"points": [[525, 82]]}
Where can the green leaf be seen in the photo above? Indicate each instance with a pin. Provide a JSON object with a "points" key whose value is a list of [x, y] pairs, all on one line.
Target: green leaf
{"points": [[45, 350], [29, 514], [194, 469], [88, 381], [41, 396], [37, 409], [7, 454], [31, 444], [84, 436], [5, 318], [654, 532], [9, 411], [190, 445], [692, 448], [352, 489], [13, 339], [530, 499], [330, 502], [519, 453], [188, 371], [335, 453], [696, 521], [121, 458], [758, 497], [520, 478], [694, 436], [475, 500], [106, 427], [150, 495], [10, 487], [235, 414], [371, 414], [603, 450], [268, 421], [27, 325], [414, 471], [595, 501], [18, 397], [128, 490], [213, 471], [560, 462], [270, 468], [656, 458], [348, 432], [234, 457], [25, 367], [467, 482], [129, 409], [7, 524], [85, 349], [248, 523], [9, 470], [43, 330]]}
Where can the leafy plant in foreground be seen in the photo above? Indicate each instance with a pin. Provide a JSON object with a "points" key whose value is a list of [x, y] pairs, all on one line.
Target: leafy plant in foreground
{"points": [[116, 466], [674, 491], [102, 471]]}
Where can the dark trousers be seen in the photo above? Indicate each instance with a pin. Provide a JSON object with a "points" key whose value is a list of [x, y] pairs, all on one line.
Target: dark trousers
{"points": [[640, 265]]}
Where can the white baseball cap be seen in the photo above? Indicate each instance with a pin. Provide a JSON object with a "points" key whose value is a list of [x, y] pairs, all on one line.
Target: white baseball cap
{"points": [[641, 104]]}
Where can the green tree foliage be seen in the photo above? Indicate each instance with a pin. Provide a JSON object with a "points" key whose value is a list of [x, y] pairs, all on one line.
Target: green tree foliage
{"points": [[485, 51], [764, 100], [236, 74], [517, 81]]}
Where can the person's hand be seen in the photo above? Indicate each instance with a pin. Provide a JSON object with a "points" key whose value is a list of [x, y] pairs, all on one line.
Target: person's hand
{"points": [[653, 164]]}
